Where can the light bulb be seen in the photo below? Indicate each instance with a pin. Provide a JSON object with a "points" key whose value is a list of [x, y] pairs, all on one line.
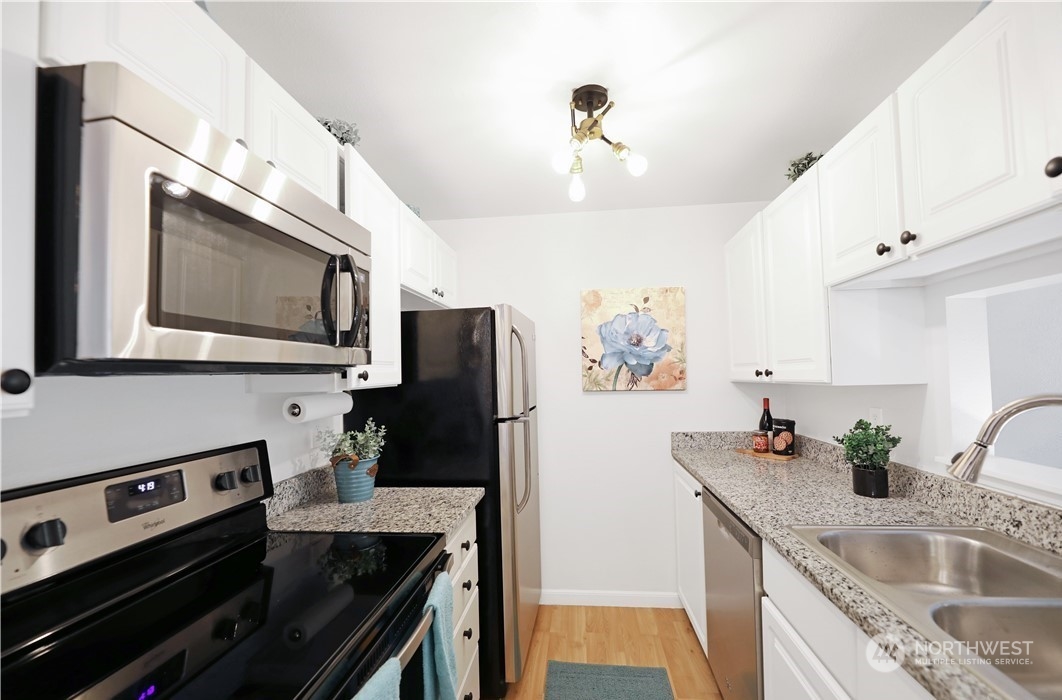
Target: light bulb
{"points": [[562, 162], [578, 140], [621, 151], [636, 164], [577, 190]]}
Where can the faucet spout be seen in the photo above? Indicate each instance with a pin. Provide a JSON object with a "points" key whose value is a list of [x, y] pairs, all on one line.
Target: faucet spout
{"points": [[967, 465]]}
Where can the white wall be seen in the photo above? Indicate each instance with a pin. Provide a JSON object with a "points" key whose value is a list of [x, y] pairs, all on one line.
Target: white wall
{"points": [[85, 425], [605, 470]]}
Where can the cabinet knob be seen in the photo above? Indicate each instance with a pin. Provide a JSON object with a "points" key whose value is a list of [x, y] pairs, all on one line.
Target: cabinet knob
{"points": [[442, 292], [469, 696], [15, 381], [242, 142], [467, 634], [435, 291], [905, 238], [467, 585], [696, 494], [466, 545], [363, 375], [759, 373], [768, 373], [1053, 167], [882, 249], [272, 163]]}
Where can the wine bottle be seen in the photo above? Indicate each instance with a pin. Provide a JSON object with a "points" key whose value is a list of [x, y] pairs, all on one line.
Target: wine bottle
{"points": [[766, 422]]}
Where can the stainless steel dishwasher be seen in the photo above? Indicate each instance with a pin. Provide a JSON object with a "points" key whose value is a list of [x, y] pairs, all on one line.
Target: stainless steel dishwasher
{"points": [[733, 563]]}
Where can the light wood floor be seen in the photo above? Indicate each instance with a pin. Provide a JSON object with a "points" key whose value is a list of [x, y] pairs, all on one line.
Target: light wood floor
{"points": [[623, 636]]}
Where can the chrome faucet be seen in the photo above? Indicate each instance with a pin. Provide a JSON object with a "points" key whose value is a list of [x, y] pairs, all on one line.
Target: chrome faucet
{"points": [[967, 465]]}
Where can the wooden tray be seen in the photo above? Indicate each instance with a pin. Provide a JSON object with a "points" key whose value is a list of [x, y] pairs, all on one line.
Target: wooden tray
{"points": [[767, 455]]}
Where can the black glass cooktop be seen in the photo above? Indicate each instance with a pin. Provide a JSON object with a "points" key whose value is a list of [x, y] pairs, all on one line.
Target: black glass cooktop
{"points": [[247, 614]]}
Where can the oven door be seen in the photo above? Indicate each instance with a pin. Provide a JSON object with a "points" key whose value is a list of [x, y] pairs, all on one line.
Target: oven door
{"points": [[182, 269]]}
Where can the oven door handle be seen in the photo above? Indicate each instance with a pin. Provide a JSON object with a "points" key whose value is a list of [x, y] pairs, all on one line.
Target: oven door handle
{"points": [[410, 648]]}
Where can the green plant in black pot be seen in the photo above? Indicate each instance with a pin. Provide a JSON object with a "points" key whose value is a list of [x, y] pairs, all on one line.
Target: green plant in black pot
{"points": [[867, 448]]}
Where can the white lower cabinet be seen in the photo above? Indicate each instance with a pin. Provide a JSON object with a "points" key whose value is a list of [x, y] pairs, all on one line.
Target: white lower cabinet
{"points": [[790, 669], [812, 650], [461, 543], [689, 550]]}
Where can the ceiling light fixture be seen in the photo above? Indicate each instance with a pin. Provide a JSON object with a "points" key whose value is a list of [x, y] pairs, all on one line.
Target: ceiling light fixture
{"points": [[590, 98]]}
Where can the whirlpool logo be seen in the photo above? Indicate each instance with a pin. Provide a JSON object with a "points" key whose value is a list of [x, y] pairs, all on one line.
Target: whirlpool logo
{"points": [[152, 524]]}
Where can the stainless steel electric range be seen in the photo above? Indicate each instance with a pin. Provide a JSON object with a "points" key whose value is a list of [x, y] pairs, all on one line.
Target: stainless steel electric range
{"points": [[162, 580]]}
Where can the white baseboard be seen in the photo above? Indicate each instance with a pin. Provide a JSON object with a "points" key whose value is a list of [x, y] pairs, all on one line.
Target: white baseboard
{"points": [[619, 599]]}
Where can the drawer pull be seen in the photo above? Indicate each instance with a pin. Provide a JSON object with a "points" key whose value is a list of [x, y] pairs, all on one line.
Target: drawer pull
{"points": [[467, 585], [467, 634], [466, 545]]}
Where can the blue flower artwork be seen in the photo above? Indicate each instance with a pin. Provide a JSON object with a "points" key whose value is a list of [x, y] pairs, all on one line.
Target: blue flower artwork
{"points": [[637, 335]]}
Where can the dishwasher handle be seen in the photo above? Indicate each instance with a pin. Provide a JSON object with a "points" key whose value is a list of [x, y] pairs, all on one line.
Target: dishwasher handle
{"points": [[734, 526]]}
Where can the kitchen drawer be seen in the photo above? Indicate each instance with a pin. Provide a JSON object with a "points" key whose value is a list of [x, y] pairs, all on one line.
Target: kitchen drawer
{"points": [[466, 582], [790, 670], [460, 543], [470, 686], [466, 636]]}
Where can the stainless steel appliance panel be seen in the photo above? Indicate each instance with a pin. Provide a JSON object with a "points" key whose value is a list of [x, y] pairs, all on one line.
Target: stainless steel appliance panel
{"points": [[733, 588]]}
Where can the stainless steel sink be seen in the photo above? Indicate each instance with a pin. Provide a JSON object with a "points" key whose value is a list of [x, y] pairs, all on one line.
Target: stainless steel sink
{"points": [[946, 562], [962, 584], [1032, 628]]}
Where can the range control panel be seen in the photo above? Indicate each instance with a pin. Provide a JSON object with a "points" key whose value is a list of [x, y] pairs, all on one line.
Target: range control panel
{"points": [[53, 528]]}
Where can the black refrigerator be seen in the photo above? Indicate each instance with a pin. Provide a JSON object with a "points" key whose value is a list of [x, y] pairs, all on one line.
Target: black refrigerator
{"points": [[466, 415]]}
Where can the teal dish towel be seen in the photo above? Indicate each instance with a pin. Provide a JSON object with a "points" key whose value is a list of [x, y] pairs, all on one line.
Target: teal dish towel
{"points": [[440, 664], [384, 683]]}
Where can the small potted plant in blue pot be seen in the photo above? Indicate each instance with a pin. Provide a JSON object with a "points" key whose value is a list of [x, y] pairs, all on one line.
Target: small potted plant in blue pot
{"points": [[867, 448], [355, 456]]}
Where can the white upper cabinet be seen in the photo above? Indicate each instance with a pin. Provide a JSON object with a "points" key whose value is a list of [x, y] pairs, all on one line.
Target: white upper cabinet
{"points": [[429, 265], [744, 287], [372, 204], [859, 198], [173, 45], [798, 333], [281, 131], [980, 120]]}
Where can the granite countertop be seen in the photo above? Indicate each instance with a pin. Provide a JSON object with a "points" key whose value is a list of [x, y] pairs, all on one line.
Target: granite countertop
{"points": [[770, 496], [406, 509]]}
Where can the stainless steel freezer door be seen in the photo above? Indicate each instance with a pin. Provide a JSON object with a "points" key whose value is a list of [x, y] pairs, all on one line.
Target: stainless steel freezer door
{"points": [[521, 549], [516, 362]]}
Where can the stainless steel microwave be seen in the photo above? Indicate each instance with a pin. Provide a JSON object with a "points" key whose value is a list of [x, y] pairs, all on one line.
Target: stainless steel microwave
{"points": [[164, 245]]}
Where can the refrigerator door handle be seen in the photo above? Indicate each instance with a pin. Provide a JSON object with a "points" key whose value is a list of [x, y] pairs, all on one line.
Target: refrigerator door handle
{"points": [[527, 465], [523, 373]]}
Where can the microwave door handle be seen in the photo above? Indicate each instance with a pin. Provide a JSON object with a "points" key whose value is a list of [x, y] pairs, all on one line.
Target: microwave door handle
{"points": [[329, 289], [349, 266]]}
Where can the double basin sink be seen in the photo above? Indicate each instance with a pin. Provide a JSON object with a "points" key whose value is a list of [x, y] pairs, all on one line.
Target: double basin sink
{"points": [[1000, 598]]}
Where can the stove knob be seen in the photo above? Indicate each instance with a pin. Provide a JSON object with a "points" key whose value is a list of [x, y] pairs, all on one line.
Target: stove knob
{"points": [[227, 629], [225, 481], [251, 474], [50, 533]]}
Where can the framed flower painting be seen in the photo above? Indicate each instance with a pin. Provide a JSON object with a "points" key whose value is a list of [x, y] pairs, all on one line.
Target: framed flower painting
{"points": [[634, 339]]}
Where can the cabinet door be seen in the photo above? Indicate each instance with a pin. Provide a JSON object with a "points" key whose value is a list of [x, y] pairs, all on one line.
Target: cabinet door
{"points": [[743, 256], [446, 273], [418, 256], [859, 198], [790, 669], [689, 550], [19, 98], [372, 204], [281, 131], [974, 124], [798, 334], [173, 45]]}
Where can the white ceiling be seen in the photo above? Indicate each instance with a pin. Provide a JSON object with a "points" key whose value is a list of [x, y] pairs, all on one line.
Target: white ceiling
{"points": [[461, 106]]}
